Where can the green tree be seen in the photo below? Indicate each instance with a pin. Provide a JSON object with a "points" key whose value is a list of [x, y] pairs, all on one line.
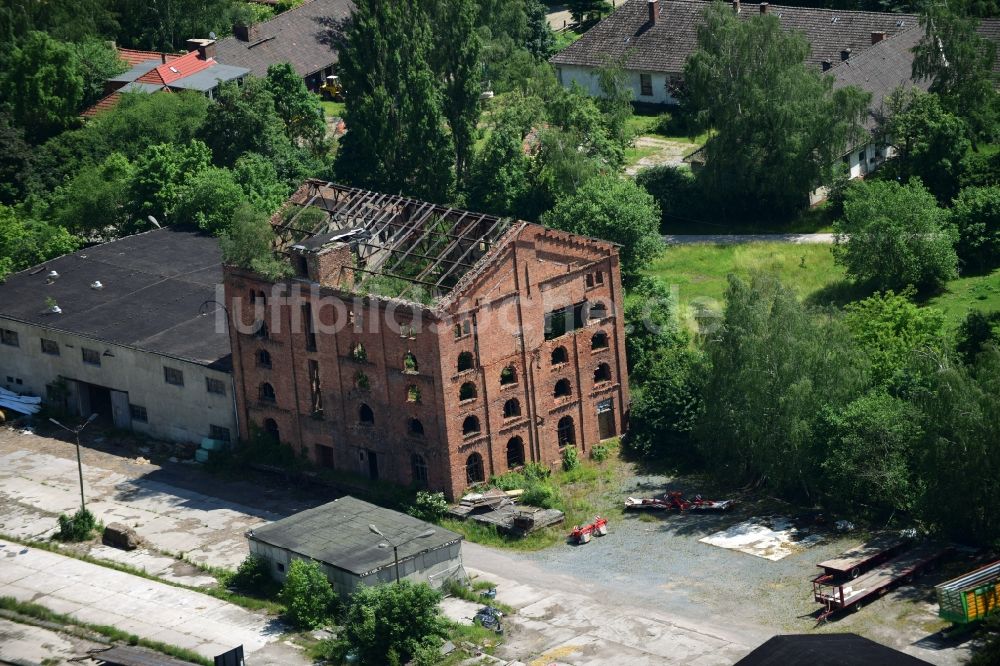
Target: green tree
{"points": [[779, 125], [587, 10], [244, 120], [455, 60], [299, 109], [25, 243], [207, 199], [541, 43], [16, 161], [160, 175], [651, 327], [500, 177], [774, 367], [98, 61], [307, 595], [248, 242], [65, 20], [892, 236], [398, 140], [96, 201], [890, 329], [42, 86], [959, 63], [166, 25], [259, 180], [615, 102], [616, 210], [930, 143], [976, 216], [871, 445], [390, 624], [665, 406], [976, 332]]}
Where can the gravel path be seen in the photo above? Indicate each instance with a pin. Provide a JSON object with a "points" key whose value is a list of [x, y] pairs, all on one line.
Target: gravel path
{"points": [[667, 153]]}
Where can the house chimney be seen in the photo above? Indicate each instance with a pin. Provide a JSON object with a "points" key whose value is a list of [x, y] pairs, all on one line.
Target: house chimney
{"points": [[827, 65], [654, 10], [764, 7], [877, 37], [845, 54], [736, 6], [246, 33], [204, 47]]}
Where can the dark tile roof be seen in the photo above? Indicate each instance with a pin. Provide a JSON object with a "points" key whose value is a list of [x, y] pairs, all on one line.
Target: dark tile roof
{"points": [[826, 650], [153, 286], [304, 36], [665, 46], [881, 69], [337, 534]]}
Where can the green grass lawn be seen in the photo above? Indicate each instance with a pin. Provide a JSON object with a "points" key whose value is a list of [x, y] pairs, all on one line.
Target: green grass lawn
{"points": [[331, 108], [698, 273], [978, 292], [644, 123]]}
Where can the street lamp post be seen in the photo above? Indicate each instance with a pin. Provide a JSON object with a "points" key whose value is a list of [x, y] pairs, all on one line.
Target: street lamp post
{"points": [[79, 464], [396, 546]]}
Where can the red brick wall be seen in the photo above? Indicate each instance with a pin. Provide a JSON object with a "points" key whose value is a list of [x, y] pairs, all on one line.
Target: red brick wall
{"points": [[504, 305]]}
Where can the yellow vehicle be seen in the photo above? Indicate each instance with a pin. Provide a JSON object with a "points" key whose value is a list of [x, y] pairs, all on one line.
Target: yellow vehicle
{"points": [[332, 88]]}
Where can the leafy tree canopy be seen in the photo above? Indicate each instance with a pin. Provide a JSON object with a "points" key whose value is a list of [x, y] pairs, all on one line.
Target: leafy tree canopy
{"points": [[24, 243], [307, 595], [166, 26], [248, 243], [207, 199], [976, 216], [161, 173], [779, 125], [299, 109], [96, 201], [977, 331], [892, 236], [616, 210]]}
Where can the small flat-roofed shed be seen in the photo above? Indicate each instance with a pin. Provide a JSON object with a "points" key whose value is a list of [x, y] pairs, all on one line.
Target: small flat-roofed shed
{"points": [[338, 536]]}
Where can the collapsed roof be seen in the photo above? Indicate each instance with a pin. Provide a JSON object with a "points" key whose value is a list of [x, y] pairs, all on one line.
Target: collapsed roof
{"points": [[403, 248]]}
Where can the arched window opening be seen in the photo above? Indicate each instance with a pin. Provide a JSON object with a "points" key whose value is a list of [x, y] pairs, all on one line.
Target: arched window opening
{"points": [[263, 359], [358, 353], [260, 330], [361, 381], [563, 389], [470, 426], [566, 431], [410, 362], [419, 469], [508, 376], [474, 469], [465, 361], [415, 427], [413, 393], [267, 392], [467, 391], [599, 341], [366, 415], [271, 429], [511, 408], [602, 374], [597, 310], [559, 355], [515, 452]]}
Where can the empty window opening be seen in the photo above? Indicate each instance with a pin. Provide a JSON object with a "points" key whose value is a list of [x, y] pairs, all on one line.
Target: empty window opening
{"points": [[266, 393], [467, 391], [566, 431], [413, 393], [597, 310], [602, 374], [559, 355], [470, 426], [361, 381], [263, 358], [563, 389], [50, 347], [418, 467], [93, 357], [173, 376], [511, 408], [465, 361], [599, 340], [515, 452], [271, 430], [415, 427], [366, 415], [410, 363], [474, 469], [315, 388]]}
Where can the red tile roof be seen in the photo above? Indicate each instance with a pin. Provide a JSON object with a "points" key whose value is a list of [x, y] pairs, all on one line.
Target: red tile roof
{"points": [[178, 68], [102, 105], [133, 57]]}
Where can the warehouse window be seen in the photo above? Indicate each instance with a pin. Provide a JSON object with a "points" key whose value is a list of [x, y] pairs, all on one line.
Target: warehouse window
{"points": [[9, 338], [515, 452], [563, 389], [465, 361], [602, 374], [173, 376], [419, 469], [508, 376], [566, 431], [138, 413], [213, 385], [559, 355], [219, 433], [599, 341], [50, 347], [474, 469], [366, 415], [511, 408], [91, 356], [267, 393], [263, 359], [415, 427], [470, 426], [467, 391]]}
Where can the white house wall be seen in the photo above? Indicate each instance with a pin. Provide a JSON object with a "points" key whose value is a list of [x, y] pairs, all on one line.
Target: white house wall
{"points": [[587, 79], [174, 413]]}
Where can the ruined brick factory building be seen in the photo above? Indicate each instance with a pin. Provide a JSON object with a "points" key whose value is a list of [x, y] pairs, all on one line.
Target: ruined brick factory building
{"points": [[426, 345]]}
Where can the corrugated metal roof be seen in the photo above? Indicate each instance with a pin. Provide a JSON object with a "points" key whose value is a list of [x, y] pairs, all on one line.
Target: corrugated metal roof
{"points": [[209, 78], [337, 534]]}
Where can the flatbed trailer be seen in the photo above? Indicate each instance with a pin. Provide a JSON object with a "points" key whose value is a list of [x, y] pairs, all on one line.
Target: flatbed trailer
{"points": [[972, 596], [839, 592], [860, 559]]}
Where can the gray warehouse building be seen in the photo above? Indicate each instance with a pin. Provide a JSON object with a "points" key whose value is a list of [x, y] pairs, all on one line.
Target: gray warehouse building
{"points": [[339, 536], [116, 330]]}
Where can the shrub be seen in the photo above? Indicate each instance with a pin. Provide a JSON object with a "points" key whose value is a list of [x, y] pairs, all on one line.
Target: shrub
{"points": [[78, 527], [307, 595], [600, 453], [540, 494], [252, 577], [570, 459], [428, 506]]}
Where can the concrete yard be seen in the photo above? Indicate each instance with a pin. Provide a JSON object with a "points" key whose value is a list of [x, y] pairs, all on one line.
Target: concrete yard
{"points": [[28, 644], [648, 593]]}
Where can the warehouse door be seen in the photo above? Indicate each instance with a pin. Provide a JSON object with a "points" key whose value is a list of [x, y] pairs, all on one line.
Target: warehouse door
{"points": [[372, 465], [606, 418], [119, 410]]}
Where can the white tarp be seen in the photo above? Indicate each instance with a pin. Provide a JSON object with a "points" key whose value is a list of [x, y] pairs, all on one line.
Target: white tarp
{"points": [[770, 538]]}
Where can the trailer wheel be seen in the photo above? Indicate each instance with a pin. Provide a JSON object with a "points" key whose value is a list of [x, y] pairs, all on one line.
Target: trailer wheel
{"points": [[855, 572]]}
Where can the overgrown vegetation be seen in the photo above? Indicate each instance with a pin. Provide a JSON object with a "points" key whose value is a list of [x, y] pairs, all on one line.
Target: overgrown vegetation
{"points": [[78, 527], [307, 595]]}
